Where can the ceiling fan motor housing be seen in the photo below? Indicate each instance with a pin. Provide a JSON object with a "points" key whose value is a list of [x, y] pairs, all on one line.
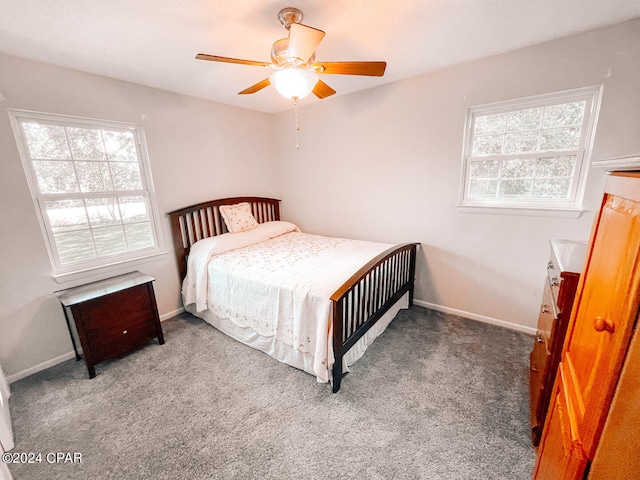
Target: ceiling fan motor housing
{"points": [[280, 55]]}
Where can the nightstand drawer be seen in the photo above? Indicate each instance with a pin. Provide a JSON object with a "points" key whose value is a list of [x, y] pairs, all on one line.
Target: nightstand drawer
{"points": [[119, 323], [115, 342], [111, 312]]}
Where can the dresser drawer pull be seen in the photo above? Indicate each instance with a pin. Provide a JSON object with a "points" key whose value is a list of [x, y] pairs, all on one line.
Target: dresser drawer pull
{"points": [[124, 332], [603, 324], [554, 281], [539, 338], [545, 308], [534, 368]]}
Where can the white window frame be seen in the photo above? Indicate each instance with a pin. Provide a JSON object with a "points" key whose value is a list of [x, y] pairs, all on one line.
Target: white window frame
{"points": [[91, 266], [571, 206]]}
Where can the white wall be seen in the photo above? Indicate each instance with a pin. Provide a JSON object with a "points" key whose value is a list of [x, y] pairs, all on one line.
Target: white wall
{"points": [[198, 150], [380, 165], [387, 164]]}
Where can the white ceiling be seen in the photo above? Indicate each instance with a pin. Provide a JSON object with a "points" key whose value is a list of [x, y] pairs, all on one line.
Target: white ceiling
{"points": [[154, 42]]}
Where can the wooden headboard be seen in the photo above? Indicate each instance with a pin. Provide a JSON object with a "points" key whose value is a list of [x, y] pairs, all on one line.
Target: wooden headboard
{"points": [[195, 222]]}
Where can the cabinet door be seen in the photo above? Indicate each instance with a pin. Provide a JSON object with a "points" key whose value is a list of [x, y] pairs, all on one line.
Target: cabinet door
{"points": [[561, 456], [617, 456], [604, 318]]}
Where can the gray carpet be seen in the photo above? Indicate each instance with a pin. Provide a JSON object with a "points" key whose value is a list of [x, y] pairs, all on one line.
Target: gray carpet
{"points": [[435, 397]]}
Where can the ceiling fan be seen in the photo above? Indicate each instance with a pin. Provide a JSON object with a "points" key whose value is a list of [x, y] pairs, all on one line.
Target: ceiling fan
{"points": [[293, 60]]}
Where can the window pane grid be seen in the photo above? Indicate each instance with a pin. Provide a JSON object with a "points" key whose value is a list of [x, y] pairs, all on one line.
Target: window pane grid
{"points": [[89, 181], [113, 225], [530, 152], [534, 178], [529, 130], [98, 165], [567, 138]]}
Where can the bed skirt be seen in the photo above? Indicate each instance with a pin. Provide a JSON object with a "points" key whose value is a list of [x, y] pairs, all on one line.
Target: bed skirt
{"points": [[286, 353]]}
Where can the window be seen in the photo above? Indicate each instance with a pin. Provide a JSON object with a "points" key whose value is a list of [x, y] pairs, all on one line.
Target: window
{"points": [[91, 185], [531, 153]]}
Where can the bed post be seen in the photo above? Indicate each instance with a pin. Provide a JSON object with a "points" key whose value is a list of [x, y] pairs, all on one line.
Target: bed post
{"points": [[412, 272], [179, 246], [337, 345]]}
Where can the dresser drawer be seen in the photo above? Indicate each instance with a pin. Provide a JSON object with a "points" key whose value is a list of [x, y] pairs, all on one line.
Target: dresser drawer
{"points": [[538, 373], [553, 271], [540, 357], [536, 394], [547, 318], [563, 269]]}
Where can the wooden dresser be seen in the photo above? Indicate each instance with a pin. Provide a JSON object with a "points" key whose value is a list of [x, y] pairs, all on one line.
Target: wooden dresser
{"points": [[565, 264], [112, 317], [592, 428]]}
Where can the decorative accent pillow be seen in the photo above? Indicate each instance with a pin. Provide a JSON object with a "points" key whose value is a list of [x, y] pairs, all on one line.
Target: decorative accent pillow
{"points": [[238, 217]]}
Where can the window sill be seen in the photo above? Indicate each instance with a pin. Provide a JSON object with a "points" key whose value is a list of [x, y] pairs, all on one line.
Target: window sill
{"points": [[107, 269], [521, 211]]}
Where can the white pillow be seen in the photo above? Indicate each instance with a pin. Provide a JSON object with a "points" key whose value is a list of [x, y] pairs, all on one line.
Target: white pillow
{"points": [[238, 217]]}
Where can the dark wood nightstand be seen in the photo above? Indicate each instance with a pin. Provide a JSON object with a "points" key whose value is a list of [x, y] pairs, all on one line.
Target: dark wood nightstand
{"points": [[112, 317]]}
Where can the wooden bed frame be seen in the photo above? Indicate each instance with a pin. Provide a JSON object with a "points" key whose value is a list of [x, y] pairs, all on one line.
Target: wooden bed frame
{"points": [[356, 306]]}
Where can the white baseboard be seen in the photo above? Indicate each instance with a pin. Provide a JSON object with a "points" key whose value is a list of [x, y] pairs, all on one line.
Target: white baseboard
{"points": [[41, 366], [69, 355], [167, 316], [475, 316]]}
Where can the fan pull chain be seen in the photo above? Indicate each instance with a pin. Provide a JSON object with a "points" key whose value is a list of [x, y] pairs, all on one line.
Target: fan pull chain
{"points": [[295, 107]]}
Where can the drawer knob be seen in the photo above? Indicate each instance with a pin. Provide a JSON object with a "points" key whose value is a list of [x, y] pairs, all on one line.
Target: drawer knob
{"points": [[124, 332], [603, 324], [539, 338], [554, 281], [545, 308]]}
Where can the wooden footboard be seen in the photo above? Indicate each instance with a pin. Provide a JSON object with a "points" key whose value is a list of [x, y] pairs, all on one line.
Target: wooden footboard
{"points": [[363, 299]]}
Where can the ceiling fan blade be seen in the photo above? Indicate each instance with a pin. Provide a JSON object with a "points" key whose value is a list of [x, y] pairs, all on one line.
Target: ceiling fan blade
{"points": [[371, 69], [322, 90], [303, 41], [216, 58], [256, 88]]}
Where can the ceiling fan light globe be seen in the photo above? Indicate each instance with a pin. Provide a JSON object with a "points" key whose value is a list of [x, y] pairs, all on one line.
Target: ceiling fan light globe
{"points": [[294, 82]]}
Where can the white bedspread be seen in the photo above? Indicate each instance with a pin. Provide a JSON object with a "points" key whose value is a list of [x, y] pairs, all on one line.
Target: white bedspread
{"points": [[276, 281]]}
